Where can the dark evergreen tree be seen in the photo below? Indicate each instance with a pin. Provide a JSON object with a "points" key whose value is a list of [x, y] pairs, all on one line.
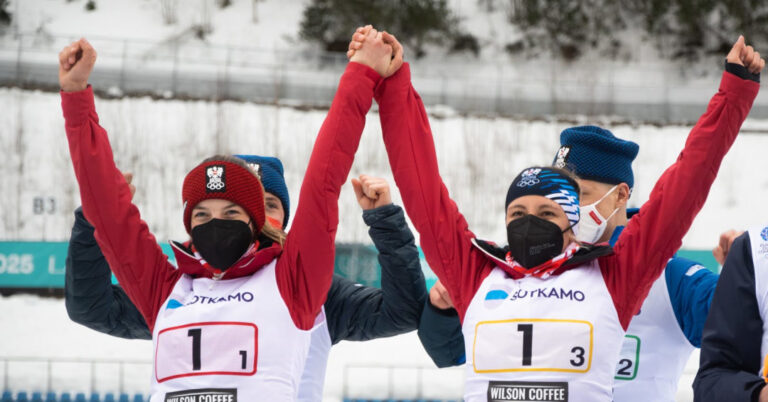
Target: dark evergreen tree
{"points": [[5, 16], [465, 43], [565, 27], [331, 22], [682, 28], [691, 28], [415, 22]]}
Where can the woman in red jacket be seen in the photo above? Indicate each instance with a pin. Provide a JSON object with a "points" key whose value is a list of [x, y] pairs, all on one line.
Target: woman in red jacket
{"points": [[543, 318], [233, 319]]}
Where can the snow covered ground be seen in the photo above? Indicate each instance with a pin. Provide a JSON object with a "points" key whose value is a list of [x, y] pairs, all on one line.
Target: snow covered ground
{"points": [[31, 326]]}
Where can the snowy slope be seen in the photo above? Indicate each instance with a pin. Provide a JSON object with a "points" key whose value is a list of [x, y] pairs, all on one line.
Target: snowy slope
{"points": [[276, 26], [159, 141], [143, 20], [141, 54]]}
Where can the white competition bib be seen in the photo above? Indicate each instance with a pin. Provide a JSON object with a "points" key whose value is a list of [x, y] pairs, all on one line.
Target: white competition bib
{"points": [[654, 352], [629, 358], [533, 345], [230, 340], [206, 348], [555, 339], [313, 377]]}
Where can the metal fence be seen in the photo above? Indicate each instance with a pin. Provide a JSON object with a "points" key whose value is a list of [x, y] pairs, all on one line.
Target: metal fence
{"points": [[402, 382], [36, 374], [180, 70], [184, 67]]}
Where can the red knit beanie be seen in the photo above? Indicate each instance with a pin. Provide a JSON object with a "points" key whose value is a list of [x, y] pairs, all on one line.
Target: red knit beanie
{"points": [[225, 180]]}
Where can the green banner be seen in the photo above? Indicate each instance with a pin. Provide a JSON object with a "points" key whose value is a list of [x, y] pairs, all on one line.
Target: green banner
{"points": [[41, 264], [703, 257], [37, 264], [32, 264]]}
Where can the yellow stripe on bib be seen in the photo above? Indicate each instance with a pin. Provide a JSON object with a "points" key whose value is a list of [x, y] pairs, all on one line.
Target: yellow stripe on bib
{"points": [[532, 344]]}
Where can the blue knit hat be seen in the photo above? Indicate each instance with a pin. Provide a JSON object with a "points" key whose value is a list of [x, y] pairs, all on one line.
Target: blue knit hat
{"points": [[594, 153], [270, 170]]}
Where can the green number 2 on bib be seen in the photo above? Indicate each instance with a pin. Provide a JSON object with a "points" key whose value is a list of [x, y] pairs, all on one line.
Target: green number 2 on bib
{"points": [[532, 344], [629, 359]]}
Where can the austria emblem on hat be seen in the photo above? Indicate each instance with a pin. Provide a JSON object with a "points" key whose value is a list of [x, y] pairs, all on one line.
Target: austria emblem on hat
{"points": [[215, 182], [562, 156], [256, 168], [222, 179]]}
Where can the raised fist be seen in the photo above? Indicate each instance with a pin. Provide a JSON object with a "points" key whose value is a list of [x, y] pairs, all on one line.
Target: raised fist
{"points": [[373, 52], [371, 192], [439, 297], [358, 38], [724, 246], [75, 65], [128, 176], [746, 56]]}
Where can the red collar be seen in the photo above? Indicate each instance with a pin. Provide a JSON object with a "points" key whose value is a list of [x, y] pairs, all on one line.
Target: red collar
{"points": [[252, 261], [555, 266], [544, 270]]}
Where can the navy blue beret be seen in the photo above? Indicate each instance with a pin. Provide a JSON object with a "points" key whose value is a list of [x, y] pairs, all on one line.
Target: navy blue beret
{"points": [[594, 153]]}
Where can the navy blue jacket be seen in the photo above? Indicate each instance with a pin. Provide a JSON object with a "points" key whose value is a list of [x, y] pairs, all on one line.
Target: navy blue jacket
{"points": [[730, 350], [689, 290], [353, 312]]}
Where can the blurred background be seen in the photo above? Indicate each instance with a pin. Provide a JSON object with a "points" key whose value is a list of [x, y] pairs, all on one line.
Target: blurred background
{"points": [[180, 80]]}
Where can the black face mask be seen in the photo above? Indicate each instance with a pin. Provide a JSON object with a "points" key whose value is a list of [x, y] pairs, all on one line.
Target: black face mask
{"points": [[221, 242], [534, 241]]}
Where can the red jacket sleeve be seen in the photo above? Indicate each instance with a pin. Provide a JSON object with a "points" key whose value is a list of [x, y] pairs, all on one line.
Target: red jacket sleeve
{"points": [[130, 249], [305, 269], [443, 232], [653, 235]]}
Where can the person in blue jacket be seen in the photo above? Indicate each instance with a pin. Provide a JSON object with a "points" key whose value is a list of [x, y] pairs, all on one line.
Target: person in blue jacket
{"points": [[352, 312], [669, 325]]}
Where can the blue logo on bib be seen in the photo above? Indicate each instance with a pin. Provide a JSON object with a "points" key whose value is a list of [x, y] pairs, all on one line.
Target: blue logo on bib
{"points": [[764, 233], [495, 297], [173, 303], [497, 294]]}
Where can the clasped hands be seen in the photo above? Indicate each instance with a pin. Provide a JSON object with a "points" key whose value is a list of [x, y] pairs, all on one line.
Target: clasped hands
{"points": [[378, 50]]}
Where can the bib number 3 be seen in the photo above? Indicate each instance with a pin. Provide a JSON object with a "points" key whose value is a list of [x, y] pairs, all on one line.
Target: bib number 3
{"points": [[206, 348], [533, 345]]}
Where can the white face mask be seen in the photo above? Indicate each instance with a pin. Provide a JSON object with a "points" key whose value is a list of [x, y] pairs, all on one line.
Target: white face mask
{"points": [[591, 224]]}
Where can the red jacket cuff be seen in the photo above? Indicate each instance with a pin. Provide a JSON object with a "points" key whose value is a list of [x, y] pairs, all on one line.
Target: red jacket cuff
{"points": [[77, 106], [400, 79], [743, 90], [355, 68]]}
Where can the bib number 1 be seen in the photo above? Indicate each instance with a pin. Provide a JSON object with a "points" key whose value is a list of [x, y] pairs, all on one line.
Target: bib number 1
{"points": [[527, 330], [206, 348]]}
